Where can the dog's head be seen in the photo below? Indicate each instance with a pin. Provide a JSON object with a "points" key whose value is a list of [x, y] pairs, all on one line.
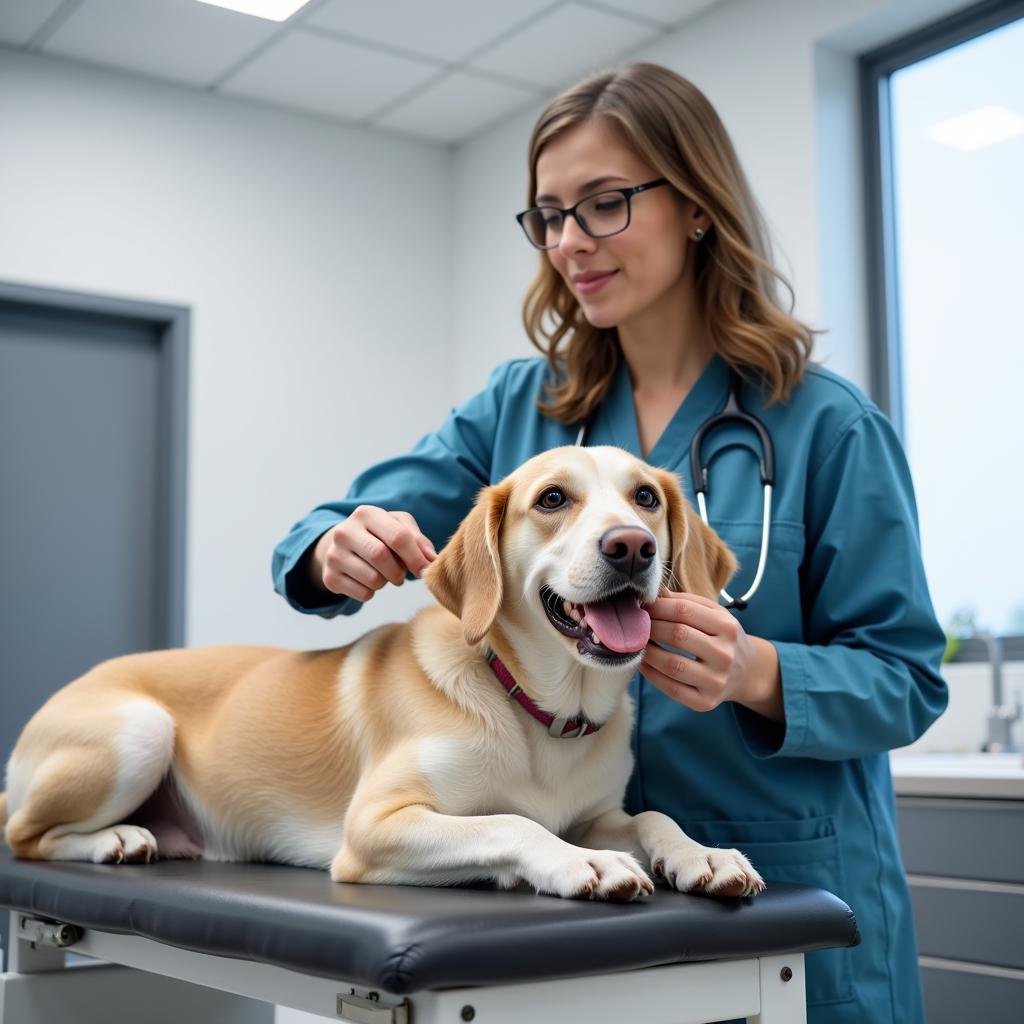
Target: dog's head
{"points": [[576, 541]]}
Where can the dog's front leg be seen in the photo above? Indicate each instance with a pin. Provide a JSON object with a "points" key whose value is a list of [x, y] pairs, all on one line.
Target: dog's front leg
{"points": [[671, 853], [415, 844]]}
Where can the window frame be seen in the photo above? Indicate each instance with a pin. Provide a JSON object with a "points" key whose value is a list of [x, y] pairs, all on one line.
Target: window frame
{"points": [[884, 355]]}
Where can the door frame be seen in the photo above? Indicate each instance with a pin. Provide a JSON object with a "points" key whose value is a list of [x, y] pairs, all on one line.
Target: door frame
{"points": [[171, 326]]}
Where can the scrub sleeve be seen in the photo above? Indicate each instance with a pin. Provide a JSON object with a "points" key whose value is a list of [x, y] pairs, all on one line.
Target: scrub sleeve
{"points": [[865, 680]]}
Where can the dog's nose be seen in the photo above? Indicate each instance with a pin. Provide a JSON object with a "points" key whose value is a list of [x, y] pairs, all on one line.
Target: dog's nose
{"points": [[629, 549]]}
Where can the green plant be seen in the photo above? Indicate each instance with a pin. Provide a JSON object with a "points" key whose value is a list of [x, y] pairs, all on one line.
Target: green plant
{"points": [[962, 625]]}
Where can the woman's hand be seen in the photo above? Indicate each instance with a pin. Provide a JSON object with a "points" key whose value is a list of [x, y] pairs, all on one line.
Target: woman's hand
{"points": [[730, 664], [370, 548]]}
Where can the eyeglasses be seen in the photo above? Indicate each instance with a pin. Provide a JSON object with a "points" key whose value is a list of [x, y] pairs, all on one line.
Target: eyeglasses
{"points": [[600, 215]]}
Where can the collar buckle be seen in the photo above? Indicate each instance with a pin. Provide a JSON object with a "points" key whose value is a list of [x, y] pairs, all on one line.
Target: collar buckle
{"points": [[558, 728]]}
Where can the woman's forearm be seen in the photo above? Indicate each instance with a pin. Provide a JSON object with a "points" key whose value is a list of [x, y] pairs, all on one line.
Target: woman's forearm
{"points": [[763, 692]]}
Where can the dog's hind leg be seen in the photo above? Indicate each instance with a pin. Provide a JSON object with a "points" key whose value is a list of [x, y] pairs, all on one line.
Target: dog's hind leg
{"points": [[75, 779]]}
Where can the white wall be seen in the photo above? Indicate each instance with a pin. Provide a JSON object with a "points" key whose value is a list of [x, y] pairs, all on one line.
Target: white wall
{"points": [[316, 262], [782, 75]]}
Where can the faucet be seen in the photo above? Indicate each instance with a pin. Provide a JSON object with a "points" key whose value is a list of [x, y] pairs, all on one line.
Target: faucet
{"points": [[1002, 717]]}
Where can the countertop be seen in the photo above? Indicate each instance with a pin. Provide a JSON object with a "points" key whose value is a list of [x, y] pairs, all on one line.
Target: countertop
{"points": [[981, 776]]}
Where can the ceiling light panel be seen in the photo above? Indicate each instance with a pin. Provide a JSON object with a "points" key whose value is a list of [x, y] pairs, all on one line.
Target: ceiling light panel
{"points": [[271, 10]]}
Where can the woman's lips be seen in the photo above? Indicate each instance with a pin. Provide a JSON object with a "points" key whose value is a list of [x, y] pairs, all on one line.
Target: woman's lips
{"points": [[593, 282]]}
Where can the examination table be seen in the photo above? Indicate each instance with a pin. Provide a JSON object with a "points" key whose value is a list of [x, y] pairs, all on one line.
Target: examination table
{"points": [[197, 942]]}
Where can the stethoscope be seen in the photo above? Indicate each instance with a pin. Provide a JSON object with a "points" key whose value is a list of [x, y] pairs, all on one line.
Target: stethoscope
{"points": [[731, 413]]}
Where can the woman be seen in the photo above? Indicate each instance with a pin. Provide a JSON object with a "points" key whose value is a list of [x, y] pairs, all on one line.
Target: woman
{"points": [[773, 736]]}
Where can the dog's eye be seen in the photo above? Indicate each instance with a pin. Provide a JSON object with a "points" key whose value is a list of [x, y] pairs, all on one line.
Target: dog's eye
{"points": [[551, 499], [646, 498]]}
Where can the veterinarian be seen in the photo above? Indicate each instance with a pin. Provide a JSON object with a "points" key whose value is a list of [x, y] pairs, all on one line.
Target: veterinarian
{"points": [[773, 735]]}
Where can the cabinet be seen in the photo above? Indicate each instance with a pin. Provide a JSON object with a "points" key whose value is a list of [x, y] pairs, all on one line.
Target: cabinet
{"points": [[964, 860]]}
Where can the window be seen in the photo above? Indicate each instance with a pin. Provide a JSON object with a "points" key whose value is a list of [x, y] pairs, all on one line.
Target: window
{"points": [[944, 118]]}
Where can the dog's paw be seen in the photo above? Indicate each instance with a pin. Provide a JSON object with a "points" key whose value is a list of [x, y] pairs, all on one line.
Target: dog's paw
{"points": [[701, 868], [592, 874], [124, 844]]}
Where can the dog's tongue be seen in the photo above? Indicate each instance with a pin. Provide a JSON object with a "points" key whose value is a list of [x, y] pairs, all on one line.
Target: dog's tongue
{"points": [[620, 623]]}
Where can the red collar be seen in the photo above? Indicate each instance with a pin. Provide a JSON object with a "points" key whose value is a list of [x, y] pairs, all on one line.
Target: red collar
{"points": [[560, 728]]}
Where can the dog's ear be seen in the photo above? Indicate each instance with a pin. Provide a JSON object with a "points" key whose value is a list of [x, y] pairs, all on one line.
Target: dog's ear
{"points": [[701, 563], [466, 576]]}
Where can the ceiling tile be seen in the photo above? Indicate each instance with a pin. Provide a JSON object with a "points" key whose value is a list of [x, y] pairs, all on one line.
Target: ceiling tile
{"points": [[456, 106], [176, 39], [667, 12], [21, 19], [327, 76], [571, 41], [448, 31]]}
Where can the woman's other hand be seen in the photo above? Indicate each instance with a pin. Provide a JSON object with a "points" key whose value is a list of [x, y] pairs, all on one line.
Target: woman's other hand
{"points": [[727, 663], [370, 548]]}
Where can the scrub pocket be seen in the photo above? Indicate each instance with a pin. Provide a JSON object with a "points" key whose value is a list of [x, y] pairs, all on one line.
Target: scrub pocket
{"points": [[804, 851]]}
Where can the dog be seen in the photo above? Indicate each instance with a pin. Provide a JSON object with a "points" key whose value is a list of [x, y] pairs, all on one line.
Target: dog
{"points": [[486, 739]]}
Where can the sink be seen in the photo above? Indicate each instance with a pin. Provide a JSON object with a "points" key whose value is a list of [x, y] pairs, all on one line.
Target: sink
{"points": [[959, 774]]}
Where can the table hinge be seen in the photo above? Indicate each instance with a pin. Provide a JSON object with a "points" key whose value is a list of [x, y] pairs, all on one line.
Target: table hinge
{"points": [[365, 1007], [41, 932]]}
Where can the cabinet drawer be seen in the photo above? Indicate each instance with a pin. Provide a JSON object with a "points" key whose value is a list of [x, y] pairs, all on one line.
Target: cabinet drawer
{"points": [[955, 996], [980, 839], [969, 924]]}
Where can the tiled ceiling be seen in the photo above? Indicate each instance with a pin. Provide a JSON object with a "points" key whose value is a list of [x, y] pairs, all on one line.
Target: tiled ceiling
{"points": [[435, 69]]}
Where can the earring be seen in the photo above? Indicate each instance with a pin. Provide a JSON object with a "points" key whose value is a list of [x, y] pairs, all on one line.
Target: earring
{"points": [[698, 234]]}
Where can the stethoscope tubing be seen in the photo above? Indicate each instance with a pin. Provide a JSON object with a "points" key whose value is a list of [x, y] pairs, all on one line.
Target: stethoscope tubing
{"points": [[739, 603]]}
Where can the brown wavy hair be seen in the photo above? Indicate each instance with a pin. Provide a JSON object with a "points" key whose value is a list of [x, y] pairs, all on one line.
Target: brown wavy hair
{"points": [[670, 124]]}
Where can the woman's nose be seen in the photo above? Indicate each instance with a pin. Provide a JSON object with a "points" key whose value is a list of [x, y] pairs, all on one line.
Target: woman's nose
{"points": [[574, 239]]}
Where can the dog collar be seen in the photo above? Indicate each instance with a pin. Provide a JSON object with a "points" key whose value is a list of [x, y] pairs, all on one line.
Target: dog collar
{"points": [[560, 728]]}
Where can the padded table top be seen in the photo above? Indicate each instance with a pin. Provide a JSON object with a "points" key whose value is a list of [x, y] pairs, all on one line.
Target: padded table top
{"points": [[405, 939]]}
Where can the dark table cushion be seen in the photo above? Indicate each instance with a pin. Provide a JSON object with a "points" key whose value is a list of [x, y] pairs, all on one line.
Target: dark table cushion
{"points": [[406, 939]]}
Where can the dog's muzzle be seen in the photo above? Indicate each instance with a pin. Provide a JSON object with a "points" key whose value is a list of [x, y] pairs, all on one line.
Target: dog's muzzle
{"points": [[613, 628]]}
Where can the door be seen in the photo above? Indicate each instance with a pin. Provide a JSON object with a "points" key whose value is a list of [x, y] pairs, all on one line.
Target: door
{"points": [[83, 499]]}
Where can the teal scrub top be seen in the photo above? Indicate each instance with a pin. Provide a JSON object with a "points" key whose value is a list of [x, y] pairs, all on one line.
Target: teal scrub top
{"points": [[844, 600]]}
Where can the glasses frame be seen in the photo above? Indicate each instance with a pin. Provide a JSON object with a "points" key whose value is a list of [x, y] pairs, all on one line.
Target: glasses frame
{"points": [[570, 211]]}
